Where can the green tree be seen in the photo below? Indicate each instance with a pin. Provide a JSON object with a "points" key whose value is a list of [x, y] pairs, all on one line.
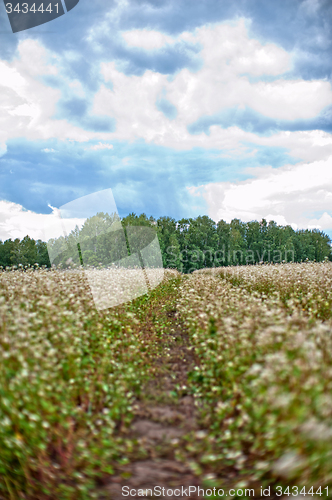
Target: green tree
{"points": [[237, 242], [187, 244], [6, 249], [24, 252]]}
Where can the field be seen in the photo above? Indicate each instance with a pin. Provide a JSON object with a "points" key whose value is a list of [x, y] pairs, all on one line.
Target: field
{"points": [[220, 378]]}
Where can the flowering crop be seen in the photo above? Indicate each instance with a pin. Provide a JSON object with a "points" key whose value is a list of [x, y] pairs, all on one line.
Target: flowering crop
{"points": [[263, 335], [68, 377]]}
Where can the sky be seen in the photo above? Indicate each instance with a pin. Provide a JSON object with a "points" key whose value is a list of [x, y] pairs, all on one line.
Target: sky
{"points": [[179, 107]]}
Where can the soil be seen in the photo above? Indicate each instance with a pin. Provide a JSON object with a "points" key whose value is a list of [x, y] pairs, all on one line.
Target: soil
{"points": [[161, 423]]}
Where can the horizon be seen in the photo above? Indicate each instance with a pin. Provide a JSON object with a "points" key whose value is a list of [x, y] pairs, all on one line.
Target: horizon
{"points": [[71, 229]]}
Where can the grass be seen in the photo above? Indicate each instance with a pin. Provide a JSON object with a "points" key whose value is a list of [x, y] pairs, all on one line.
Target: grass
{"points": [[70, 375]]}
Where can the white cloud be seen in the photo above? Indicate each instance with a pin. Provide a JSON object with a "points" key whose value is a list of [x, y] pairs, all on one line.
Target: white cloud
{"points": [[290, 100], [16, 222], [308, 145], [48, 150], [132, 103], [289, 194], [324, 222], [228, 53], [146, 39], [27, 105], [228, 56], [229, 47], [99, 146]]}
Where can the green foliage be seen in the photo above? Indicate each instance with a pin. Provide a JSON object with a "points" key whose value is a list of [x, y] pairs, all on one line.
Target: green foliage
{"points": [[262, 382], [186, 245], [262, 335], [68, 379], [26, 252]]}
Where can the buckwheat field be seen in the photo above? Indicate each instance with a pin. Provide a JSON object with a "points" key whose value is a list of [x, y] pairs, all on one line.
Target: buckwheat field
{"points": [[71, 376]]}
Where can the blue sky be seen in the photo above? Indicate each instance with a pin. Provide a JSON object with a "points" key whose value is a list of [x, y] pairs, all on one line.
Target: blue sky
{"points": [[181, 108]]}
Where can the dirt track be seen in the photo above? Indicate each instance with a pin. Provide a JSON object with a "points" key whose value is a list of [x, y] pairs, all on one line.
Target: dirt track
{"points": [[161, 422], [165, 423]]}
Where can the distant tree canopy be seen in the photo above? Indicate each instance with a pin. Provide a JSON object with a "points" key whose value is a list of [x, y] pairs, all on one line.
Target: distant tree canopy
{"points": [[186, 244], [25, 252]]}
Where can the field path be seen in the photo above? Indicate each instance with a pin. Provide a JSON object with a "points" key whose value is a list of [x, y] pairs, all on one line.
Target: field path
{"points": [[167, 422], [163, 416]]}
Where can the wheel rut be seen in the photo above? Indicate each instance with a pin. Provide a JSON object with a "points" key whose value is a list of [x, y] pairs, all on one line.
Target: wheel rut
{"points": [[165, 416]]}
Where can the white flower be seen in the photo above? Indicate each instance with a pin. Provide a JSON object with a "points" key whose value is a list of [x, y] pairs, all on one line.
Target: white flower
{"points": [[287, 464]]}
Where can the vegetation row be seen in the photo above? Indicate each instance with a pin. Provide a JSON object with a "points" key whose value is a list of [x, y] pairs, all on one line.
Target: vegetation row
{"points": [[262, 382], [186, 245]]}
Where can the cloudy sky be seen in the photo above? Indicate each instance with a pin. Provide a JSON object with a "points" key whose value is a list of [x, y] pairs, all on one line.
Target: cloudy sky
{"points": [[180, 107]]}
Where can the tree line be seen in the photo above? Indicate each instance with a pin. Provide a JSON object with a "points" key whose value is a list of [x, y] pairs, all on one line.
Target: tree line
{"points": [[186, 244], [25, 252]]}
